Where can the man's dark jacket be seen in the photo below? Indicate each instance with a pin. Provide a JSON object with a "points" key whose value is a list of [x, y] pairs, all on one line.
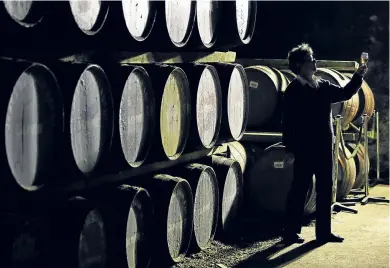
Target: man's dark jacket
{"points": [[307, 114]]}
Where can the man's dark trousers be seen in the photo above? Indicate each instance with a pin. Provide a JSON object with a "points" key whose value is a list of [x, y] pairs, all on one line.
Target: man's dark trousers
{"points": [[311, 159]]}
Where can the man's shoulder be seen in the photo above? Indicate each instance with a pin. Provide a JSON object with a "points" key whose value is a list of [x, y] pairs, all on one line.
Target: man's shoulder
{"points": [[293, 86]]}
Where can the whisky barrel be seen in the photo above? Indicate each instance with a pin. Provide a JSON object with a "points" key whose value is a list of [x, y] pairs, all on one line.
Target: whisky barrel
{"points": [[31, 107], [26, 13], [346, 174], [235, 102], [269, 181], [230, 184], [226, 23], [264, 94], [173, 205], [140, 16], [209, 106], [180, 20], [347, 109], [359, 162], [203, 182], [89, 15], [91, 119], [175, 113], [81, 237], [136, 112], [366, 100], [129, 217]]}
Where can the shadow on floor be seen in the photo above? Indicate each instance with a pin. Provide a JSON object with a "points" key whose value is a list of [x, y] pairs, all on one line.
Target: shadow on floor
{"points": [[263, 258]]}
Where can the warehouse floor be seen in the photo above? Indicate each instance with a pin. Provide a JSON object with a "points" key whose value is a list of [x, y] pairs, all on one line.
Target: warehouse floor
{"points": [[366, 242]]}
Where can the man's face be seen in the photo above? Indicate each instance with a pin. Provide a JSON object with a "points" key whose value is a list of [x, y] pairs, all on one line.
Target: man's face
{"points": [[308, 67]]}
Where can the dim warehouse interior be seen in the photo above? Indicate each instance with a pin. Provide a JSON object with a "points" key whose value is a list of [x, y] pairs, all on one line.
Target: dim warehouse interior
{"points": [[142, 133]]}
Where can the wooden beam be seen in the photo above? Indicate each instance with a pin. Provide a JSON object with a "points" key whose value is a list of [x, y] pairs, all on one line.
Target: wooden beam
{"points": [[347, 66], [126, 175], [151, 57], [262, 136]]}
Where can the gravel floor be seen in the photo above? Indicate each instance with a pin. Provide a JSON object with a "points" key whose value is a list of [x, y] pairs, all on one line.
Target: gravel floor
{"points": [[255, 246]]}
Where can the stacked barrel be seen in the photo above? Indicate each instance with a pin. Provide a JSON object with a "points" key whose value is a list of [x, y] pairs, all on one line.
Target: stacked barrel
{"points": [[268, 168], [65, 126]]}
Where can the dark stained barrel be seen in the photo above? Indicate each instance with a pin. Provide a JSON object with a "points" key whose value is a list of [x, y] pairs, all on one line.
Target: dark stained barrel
{"points": [[26, 13], [89, 15], [173, 205], [204, 185], [175, 113], [81, 237], [31, 106], [264, 94], [366, 100], [347, 109], [136, 114], [91, 119], [129, 217], [180, 19], [226, 23], [346, 174], [138, 219], [209, 106], [230, 183], [359, 162], [269, 181], [140, 16]]}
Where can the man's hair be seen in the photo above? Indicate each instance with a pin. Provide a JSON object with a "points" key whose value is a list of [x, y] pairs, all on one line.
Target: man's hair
{"points": [[297, 56]]}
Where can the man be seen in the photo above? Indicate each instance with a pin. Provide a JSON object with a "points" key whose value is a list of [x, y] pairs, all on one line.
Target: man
{"points": [[308, 134]]}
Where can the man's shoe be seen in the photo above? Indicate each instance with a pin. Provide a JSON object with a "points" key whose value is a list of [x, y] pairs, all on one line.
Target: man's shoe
{"points": [[292, 239], [332, 238]]}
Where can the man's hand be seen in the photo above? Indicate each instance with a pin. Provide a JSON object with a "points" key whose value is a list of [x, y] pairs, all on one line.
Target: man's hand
{"points": [[362, 70]]}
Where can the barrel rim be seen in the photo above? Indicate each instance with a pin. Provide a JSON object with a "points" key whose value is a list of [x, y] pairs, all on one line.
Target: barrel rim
{"points": [[186, 131], [218, 88], [93, 68], [190, 29], [184, 184], [143, 195], [52, 76], [349, 172], [368, 94], [26, 22], [252, 25], [233, 165], [244, 78], [215, 36], [100, 20], [142, 156], [339, 77], [214, 223], [148, 28]]}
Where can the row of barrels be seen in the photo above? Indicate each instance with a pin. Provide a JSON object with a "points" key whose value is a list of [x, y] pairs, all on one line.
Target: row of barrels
{"points": [[65, 120], [268, 173], [158, 219], [267, 84], [198, 24]]}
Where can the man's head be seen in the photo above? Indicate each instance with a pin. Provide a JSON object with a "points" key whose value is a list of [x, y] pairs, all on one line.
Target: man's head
{"points": [[301, 61]]}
